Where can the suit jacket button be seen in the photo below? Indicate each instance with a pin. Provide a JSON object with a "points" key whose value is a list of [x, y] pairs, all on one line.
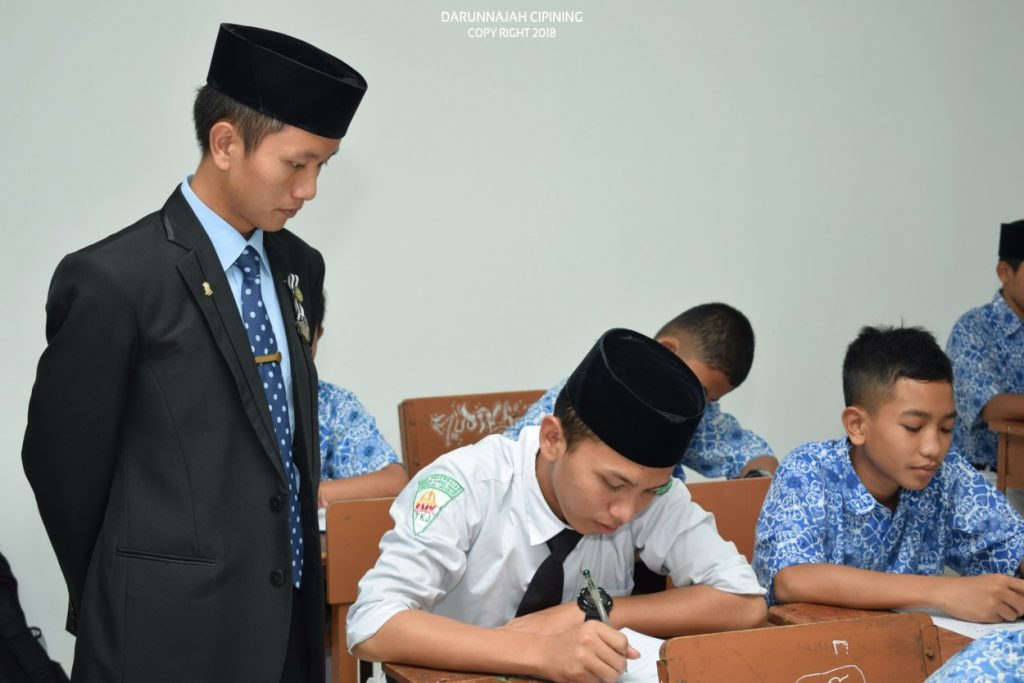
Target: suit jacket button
{"points": [[276, 503], [277, 577]]}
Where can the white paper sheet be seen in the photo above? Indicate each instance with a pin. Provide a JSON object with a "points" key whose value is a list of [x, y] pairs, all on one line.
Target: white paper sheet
{"points": [[645, 669]]}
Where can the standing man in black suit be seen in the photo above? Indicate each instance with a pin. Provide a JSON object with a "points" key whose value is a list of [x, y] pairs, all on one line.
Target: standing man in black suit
{"points": [[172, 431]]}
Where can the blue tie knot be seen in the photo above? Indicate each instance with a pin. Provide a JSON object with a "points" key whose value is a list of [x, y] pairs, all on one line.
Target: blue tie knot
{"points": [[249, 263]]}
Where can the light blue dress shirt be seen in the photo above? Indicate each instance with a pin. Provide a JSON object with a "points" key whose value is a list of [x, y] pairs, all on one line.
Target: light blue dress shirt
{"points": [[229, 245]]}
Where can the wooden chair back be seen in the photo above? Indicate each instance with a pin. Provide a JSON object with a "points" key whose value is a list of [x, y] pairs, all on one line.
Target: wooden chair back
{"points": [[1010, 456], [354, 530], [434, 425], [894, 647], [736, 504]]}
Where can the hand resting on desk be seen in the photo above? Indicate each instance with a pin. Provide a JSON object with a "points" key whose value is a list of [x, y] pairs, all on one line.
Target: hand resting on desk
{"points": [[988, 598]]}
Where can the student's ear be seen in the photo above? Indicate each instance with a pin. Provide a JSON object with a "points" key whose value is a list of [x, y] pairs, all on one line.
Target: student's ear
{"points": [[670, 343], [224, 142], [552, 438], [855, 422], [1004, 272]]}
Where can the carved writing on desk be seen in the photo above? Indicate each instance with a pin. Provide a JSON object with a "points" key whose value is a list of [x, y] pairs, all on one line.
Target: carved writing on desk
{"points": [[850, 673], [478, 421]]}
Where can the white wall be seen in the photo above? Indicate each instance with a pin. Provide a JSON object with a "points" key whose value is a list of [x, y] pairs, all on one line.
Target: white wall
{"points": [[500, 202]]}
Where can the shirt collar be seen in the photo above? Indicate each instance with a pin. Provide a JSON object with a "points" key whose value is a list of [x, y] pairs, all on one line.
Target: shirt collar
{"points": [[227, 242], [1002, 316], [855, 494], [540, 519]]}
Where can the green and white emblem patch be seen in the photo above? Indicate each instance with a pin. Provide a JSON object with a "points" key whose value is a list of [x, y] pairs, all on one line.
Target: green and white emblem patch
{"points": [[432, 494]]}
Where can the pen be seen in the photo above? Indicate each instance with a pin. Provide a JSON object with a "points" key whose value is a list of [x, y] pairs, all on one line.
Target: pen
{"points": [[595, 596]]}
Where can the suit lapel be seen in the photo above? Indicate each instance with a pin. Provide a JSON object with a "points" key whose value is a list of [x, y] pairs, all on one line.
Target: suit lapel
{"points": [[206, 282], [301, 360]]}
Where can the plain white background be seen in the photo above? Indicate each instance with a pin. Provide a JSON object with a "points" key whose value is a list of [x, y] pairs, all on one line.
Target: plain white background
{"points": [[498, 203]]}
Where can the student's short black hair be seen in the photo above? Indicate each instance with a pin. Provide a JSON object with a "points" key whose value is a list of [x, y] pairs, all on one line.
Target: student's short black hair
{"points": [[719, 335], [1014, 263], [881, 355], [212, 106], [573, 427]]}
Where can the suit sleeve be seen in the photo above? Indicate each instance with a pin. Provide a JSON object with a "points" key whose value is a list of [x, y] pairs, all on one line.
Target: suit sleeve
{"points": [[75, 410]]}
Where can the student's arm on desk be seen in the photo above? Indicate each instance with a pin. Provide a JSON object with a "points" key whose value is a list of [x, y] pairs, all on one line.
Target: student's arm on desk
{"points": [[588, 651], [387, 481], [675, 612], [988, 598]]}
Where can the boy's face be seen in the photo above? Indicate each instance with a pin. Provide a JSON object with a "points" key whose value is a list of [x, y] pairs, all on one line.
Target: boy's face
{"points": [[1013, 286], [593, 489], [902, 442], [269, 185]]}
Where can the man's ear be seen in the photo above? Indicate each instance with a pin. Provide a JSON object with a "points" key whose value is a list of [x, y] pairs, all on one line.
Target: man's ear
{"points": [[855, 422], [552, 438], [225, 142], [669, 342], [1003, 271]]}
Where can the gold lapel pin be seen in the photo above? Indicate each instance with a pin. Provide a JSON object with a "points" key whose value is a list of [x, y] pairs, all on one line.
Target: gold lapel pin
{"points": [[207, 290]]}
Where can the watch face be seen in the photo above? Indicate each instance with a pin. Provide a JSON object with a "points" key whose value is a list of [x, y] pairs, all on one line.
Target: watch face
{"points": [[586, 603]]}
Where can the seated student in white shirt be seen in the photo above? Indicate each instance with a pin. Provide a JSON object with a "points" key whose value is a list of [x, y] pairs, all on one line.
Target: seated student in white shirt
{"points": [[471, 533]]}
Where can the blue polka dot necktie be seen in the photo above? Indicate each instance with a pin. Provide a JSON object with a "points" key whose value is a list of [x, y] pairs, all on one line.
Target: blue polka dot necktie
{"points": [[264, 349]]}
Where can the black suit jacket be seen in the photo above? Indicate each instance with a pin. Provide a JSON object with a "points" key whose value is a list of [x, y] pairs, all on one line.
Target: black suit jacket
{"points": [[152, 456]]}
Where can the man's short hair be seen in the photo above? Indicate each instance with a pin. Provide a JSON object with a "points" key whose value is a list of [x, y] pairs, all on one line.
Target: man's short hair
{"points": [[719, 335], [212, 106], [1014, 263], [880, 356], [574, 429]]}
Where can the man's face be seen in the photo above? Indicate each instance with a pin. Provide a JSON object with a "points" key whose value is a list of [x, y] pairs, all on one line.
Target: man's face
{"points": [[716, 383], [594, 489], [904, 440], [269, 185], [1013, 287]]}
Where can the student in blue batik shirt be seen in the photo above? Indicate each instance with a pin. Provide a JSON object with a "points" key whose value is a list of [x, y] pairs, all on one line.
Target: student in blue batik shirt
{"points": [[870, 521], [987, 350], [355, 459], [717, 342], [996, 657]]}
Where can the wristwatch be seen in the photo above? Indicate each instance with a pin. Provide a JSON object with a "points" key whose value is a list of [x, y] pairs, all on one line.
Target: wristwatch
{"points": [[757, 472], [589, 608]]}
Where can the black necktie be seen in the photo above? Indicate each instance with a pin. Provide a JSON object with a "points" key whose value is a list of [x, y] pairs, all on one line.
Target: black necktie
{"points": [[545, 589]]}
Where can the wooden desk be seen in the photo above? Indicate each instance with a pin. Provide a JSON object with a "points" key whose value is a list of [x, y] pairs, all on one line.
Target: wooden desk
{"points": [[404, 673], [1010, 456], [804, 613]]}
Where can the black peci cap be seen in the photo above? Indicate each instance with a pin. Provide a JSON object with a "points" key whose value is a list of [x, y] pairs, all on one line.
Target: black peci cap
{"points": [[286, 79], [638, 397]]}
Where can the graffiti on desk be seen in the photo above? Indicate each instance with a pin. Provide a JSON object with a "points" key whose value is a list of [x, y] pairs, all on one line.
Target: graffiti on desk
{"points": [[850, 673], [836, 644], [478, 421]]}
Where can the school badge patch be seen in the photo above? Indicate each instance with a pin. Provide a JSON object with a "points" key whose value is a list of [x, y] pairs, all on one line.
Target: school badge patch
{"points": [[432, 495]]}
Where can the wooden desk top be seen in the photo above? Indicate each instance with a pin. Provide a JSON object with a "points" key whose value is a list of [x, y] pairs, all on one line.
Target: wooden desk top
{"points": [[950, 642], [404, 673]]}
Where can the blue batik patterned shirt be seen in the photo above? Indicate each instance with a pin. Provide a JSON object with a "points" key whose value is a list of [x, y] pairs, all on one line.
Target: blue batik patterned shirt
{"points": [[818, 512], [986, 347], [719, 447], [996, 657], [350, 443]]}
